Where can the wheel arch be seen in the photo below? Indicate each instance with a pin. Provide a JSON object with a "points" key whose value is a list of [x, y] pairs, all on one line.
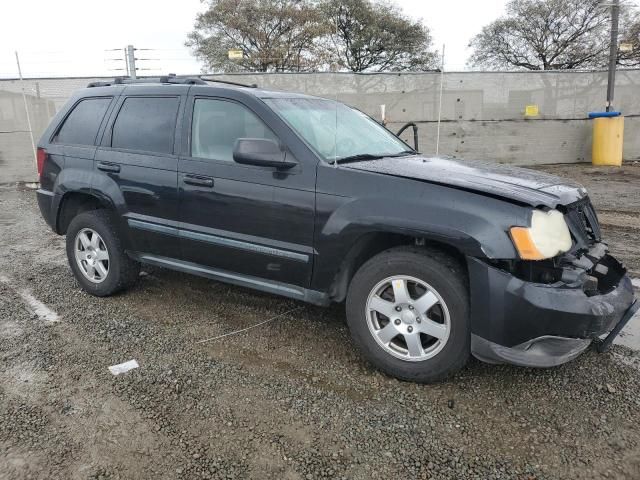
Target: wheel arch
{"points": [[371, 244], [74, 203]]}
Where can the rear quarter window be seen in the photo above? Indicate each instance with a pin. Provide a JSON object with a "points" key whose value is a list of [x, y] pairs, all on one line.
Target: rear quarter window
{"points": [[147, 124], [82, 124]]}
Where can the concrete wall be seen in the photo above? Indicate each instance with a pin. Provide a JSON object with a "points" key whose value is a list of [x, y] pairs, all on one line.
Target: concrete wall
{"points": [[44, 98], [482, 112]]}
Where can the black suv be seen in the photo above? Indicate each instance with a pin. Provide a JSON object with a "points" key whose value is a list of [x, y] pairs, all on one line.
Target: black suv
{"points": [[305, 197]]}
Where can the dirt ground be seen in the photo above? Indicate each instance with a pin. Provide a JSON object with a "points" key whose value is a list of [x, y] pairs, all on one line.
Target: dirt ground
{"points": [[288, 400]]}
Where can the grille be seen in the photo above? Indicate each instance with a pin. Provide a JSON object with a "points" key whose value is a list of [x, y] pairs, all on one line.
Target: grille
{"points": [[583, 223]]}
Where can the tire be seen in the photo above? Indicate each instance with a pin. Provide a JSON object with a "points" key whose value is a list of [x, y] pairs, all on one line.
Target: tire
{"points": [[420, 270], [121, 271]]}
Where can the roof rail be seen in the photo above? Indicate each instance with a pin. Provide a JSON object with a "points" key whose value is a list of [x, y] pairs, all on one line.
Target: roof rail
{"points": [[167, 79], [115, 81], [227, 82]]}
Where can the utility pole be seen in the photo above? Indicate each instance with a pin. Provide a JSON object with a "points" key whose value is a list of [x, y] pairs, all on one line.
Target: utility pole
{"points": [[131, 64], [126, 61], [613, 52]]}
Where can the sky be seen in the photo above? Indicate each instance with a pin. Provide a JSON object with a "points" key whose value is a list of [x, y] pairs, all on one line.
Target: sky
{"points": [[78, 37]]}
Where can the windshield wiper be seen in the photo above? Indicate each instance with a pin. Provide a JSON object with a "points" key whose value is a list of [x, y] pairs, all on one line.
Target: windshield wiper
{"points": [[404, 153], [371, 156], [357, 158]]}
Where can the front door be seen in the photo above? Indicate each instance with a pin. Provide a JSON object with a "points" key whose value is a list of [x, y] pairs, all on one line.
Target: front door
{"points": [[249, 220]]}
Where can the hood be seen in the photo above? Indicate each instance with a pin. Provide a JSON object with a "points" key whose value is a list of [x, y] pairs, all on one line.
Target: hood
{"points": [[513, 183]]}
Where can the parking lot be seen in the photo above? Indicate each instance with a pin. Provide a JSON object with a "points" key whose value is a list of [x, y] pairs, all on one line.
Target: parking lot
{"points": [[290, 399]]}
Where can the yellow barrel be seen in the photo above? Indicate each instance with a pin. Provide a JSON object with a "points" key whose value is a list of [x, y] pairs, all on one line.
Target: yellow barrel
{"points": [[608, 134]]}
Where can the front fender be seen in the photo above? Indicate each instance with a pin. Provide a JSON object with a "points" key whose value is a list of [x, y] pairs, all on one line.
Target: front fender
{"points": [[363, 216], [474, 224]]}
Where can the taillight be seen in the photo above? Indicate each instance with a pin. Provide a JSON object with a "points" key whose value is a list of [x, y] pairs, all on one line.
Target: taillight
{"points": [[41, 156]]}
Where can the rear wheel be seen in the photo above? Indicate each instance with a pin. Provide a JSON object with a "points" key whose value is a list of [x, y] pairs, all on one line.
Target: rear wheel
{"points": [[96, 256], [407, 310]]}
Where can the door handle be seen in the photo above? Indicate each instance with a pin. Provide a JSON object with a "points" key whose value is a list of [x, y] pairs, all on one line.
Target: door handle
{"points": [[108, 167], [198, 181]]}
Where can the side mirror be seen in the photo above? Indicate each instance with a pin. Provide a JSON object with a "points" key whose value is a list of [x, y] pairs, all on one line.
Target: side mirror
{"points": [[261, 152]]}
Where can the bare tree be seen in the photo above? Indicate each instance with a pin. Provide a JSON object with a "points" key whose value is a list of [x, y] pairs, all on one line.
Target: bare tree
{"points": [[631, 35], [375, 35], [544, 35], [274, 35]]}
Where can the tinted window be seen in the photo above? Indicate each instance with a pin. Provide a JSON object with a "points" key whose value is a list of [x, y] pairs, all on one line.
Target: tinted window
{"points": [[217, 125], [146, 123], [82, 124]]}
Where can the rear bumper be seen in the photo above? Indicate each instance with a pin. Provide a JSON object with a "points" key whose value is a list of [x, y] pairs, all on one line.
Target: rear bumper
{"points": [[45, 203], [538, 325]]}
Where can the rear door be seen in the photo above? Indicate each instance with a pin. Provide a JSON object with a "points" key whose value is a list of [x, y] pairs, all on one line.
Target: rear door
{"points": [[136, 166], [251, 220]]}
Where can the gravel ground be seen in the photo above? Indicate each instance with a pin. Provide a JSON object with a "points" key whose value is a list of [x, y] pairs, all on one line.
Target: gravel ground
{"points": [[290, 400]]}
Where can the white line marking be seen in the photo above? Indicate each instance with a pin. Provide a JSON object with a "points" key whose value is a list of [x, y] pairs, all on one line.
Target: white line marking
{"points": [[635, 282], [123, 367], [34, 305], [40, 309]]}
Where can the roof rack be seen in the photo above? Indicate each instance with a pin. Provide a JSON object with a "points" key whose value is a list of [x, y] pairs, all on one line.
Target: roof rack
{"points": [[227, 82], [167, 79]]}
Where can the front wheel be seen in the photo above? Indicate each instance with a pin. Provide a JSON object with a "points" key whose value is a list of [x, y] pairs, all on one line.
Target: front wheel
{"points": [[408, 312]]}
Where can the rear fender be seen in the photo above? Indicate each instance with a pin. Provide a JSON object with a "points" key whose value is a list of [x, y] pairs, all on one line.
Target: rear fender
{"points": [[98, 186]]}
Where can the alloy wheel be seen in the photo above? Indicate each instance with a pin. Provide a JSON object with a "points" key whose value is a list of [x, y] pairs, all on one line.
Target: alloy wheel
{"points": [[91, 255], [408, 318]]}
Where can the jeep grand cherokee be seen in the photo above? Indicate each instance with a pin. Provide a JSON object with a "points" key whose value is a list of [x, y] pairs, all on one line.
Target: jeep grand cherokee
{"points": [[435, 258]]}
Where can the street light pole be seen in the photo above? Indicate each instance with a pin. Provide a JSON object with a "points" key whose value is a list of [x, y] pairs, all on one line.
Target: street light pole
{"points": [[613, 52]]}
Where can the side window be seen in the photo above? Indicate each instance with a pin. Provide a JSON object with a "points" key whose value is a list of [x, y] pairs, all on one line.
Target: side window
{"points": [[146, 123], [82, 124], [217, 124]]}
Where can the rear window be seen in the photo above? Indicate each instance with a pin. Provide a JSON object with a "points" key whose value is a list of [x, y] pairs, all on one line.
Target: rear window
{"points": [[82, 124], [147, 124]]}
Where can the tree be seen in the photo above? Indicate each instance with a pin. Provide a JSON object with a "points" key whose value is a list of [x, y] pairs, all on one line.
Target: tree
{"points": [[544, 35], [631, 35], [274, 35], [375, 36]]}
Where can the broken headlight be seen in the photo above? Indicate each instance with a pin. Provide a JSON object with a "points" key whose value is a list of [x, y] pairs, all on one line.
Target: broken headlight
{"points": [[547, 236]]}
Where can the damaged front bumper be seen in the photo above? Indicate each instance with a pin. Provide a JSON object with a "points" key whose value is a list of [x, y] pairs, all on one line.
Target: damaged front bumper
{"points": [[536, 324]]}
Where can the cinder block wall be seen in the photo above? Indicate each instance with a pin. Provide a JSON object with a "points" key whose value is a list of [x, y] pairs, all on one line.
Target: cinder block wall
{"points": [[483, 113]]}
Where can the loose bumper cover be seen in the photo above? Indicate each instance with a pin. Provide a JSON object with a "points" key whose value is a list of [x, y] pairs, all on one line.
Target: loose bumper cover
{"points": [[543, 325]]}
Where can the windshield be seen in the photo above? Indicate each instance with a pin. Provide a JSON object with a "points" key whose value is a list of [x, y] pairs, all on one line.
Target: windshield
{"points": [[336, 131]]}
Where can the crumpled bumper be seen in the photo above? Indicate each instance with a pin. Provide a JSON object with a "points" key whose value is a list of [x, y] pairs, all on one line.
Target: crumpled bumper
{"points": [[547, 351], [538, 325]]}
